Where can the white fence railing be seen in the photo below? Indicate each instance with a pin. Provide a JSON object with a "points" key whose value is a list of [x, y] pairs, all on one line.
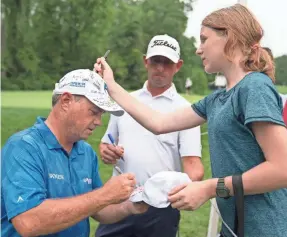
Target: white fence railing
{"points": [[213, 220]]}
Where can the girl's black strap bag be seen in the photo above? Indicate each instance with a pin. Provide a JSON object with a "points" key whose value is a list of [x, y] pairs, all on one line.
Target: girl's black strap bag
{"points": [[239, 205]]}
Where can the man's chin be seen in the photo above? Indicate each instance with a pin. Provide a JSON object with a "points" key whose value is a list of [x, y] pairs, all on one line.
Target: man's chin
{"points": [[86, 136], [158, 77], [159, 83]]}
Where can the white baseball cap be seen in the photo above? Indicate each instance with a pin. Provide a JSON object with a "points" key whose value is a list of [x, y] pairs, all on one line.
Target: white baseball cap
{"points": [[89, 84], [155, 190], [164, 45]]}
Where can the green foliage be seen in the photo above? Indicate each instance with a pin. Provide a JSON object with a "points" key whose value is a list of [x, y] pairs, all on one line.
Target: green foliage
{"points": [[199, 80], [281, 70], [45, 39]]}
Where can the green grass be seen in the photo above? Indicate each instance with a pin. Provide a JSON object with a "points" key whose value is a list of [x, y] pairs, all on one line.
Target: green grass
{"points": [[19, 111], [282, 89], [42, 99], [26, 99]]}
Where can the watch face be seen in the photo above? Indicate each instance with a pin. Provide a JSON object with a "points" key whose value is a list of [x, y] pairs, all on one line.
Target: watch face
{"points": [[221, 190], [222, 193]]}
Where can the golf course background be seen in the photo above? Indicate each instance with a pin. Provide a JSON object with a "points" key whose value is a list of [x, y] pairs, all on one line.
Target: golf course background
{"points": [[20, 109]]}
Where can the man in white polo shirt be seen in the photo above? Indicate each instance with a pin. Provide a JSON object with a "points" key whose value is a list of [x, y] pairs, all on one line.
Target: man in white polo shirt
{"points": [[146, 154]]}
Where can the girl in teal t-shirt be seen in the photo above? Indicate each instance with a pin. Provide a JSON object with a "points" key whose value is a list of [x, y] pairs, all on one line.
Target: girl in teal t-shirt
{"points": [[247, 135]]}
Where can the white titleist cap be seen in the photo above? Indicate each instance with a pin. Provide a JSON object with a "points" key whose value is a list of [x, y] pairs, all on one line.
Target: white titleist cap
{"points": [[164, 45]]}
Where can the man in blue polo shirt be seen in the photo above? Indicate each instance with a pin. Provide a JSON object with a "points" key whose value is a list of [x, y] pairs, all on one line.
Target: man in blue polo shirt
{"points": [[49, 175]]}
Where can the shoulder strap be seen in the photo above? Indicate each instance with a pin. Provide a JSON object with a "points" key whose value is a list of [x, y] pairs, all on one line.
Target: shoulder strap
{"points": [[239, 205]]}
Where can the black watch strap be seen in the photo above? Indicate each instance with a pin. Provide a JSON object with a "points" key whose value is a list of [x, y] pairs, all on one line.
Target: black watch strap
{"points": [[239, 205], [221, 183], [221, 187]]}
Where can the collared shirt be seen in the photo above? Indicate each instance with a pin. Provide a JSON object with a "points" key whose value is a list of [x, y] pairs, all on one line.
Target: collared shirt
{"points": [[146, 154], [35, 167]]}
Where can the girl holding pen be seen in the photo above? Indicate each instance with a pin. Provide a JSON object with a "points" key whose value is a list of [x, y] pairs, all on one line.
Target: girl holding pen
{"points": [[247, 135]]}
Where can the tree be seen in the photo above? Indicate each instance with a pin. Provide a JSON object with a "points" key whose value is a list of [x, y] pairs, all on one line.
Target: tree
{"points": [[46, 39], [199, 81], [281, 70]]}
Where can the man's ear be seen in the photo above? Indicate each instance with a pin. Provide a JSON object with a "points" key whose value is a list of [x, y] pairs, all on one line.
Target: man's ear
{"points": [[179, 64], [145, 61], [66, 100]]}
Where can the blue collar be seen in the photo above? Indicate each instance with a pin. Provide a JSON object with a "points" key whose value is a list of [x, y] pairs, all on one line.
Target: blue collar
{"points": [[51, 140]]}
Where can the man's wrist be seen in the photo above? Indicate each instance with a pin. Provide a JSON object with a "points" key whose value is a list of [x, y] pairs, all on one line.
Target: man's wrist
{"points": [[105, 194]]}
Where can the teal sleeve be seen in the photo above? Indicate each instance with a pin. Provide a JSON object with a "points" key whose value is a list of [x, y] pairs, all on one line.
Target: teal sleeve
{"points": [[200, 108], [260, 102]]}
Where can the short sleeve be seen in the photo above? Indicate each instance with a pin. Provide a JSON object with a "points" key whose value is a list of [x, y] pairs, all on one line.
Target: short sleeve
{"points": [[260, 102], [200, 108], [23, 185], [111, 129], [97, 182], [190, 142]]}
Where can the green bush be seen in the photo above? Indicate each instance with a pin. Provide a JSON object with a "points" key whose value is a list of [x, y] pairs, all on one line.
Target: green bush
{"points": [[199, 81]]}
